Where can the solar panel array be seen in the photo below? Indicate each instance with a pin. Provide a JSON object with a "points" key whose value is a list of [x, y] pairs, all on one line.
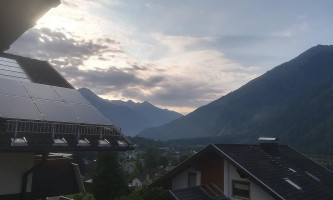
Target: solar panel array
{"points": [[10, 69], [30, 101]]}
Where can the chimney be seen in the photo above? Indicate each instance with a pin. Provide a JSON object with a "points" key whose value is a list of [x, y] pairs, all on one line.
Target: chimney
{"points": [[269, 145]]}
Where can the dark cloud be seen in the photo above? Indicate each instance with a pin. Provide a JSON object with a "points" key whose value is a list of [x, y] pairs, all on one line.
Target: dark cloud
{"points": [[136, 67], [67, 53], [128, 84], [189, 94], [180, 94], [114, 78], [51, 45]]}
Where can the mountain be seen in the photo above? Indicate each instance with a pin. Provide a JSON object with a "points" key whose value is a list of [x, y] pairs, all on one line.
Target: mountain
{"points": [[293, 101], [130, 116]]}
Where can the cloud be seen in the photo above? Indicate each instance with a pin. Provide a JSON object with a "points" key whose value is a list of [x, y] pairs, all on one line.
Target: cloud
{"points": [[64, 49], [184, 78], [185, 61]]}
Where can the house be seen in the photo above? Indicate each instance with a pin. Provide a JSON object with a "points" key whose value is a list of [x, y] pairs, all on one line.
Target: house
{"points": [[146, 175], [262, 172], [128, 167], [40, 113], [150, 174]]}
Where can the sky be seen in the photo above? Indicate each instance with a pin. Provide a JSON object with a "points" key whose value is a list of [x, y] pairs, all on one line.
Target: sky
{"points": [[178, 55]]}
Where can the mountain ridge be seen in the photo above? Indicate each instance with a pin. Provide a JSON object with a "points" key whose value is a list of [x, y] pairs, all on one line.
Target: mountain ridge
{"points": [[130, 116], [262, 102]]}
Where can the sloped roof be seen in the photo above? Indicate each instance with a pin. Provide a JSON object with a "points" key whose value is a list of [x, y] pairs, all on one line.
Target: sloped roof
{"points": [[39, 71], [315, 181], [44, 112], [17, 16], [289, 175]]}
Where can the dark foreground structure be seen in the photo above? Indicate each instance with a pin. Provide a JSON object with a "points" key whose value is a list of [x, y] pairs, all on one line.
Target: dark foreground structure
{"points": [[262, 172], [40, 112]]}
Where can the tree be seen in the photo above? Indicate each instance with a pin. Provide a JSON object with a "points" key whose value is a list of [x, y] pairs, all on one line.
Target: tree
{"points": [[109, 181], [138, 165], [164, 161], [144, 192], [151, 157]]}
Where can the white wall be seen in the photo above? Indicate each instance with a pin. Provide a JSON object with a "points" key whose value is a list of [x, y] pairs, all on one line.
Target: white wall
{"points": [[230, 173], [258, 193], [12, 167], [181, 180]]}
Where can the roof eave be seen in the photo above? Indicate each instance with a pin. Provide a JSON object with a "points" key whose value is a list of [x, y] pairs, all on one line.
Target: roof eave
{"points": [[23, 14]]}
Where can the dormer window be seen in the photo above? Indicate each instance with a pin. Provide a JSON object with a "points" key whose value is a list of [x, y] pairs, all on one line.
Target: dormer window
{"points": [[291, 169], [240, 189]]}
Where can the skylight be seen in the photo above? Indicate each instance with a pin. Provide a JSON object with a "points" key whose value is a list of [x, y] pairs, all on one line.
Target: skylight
{"points": [[292, 183], [312, 176], [291, 169]]}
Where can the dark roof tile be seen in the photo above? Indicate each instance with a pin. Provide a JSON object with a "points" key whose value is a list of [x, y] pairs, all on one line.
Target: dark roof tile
{"points": [[272, 171], [269, 171]]}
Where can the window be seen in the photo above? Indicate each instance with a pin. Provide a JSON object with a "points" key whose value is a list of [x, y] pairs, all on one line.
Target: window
{"points": [[291, 169], [241, 189], [192, 179], [312, 176], [292, 183]]}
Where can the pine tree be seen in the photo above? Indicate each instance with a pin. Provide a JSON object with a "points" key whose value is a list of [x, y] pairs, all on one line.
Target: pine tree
{"points": [[109, 181]]}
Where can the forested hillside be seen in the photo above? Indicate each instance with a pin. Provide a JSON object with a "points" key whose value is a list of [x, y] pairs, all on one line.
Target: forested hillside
{"points": [[293, 101]]}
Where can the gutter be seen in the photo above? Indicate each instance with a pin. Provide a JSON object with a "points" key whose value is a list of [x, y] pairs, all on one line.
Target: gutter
{"points": [[30, 171]]}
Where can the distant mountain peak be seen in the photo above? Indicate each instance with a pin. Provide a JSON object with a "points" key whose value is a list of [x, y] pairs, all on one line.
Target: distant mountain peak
{"points": [[131, 116], [88, 94]]}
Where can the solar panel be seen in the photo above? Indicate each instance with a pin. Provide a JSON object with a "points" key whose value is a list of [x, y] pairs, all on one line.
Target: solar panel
{"points": [[70, 95], [15, 78], [18, 108], [11, 87], [32, 101], [10, 69], [7, 60], [40, 91], [88, 114], [56, 111], [14, 69], [13, 64], [13, 74]]}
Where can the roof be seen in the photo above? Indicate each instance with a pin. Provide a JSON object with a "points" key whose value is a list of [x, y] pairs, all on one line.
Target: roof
{"points": [[40, 110], [17, 16], [39, 71], [201, 192], [288, 175]]}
